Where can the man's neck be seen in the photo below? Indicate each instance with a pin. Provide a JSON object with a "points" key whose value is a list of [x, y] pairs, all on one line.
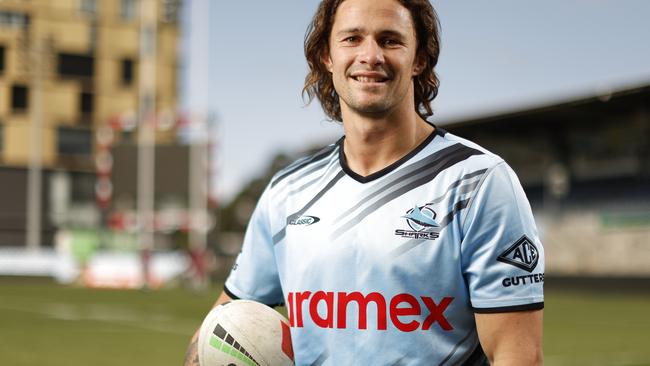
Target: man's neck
{"points": [[373, 143]]}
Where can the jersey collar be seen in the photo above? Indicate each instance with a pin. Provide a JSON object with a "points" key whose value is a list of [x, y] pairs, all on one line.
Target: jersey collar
{"points": [[376, 175]]}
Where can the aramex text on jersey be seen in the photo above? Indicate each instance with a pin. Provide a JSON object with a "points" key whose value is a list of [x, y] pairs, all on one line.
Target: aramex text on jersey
{"points": [[401, 305]]}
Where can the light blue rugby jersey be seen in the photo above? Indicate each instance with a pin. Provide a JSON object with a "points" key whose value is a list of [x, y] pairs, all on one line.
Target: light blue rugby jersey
{"points": [[389, 269]]}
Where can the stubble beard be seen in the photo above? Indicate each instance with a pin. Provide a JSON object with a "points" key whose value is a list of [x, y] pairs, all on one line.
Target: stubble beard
{"points": [[375, 108], [378, 106]]}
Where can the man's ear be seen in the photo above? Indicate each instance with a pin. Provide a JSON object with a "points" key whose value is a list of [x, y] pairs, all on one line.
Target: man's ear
{"points": [[326, 60], [420, 63]]}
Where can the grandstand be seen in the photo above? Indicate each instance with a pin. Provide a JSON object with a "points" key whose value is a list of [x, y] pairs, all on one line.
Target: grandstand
{"points": [[585, 166]]}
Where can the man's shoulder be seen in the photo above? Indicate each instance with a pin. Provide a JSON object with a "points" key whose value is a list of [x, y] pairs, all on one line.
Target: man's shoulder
{"points": [[455, 139], [474, 153], [311, 164]]}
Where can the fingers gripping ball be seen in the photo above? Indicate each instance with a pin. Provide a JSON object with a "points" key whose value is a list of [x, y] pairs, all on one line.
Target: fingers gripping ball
{"points": [[245, 333]]}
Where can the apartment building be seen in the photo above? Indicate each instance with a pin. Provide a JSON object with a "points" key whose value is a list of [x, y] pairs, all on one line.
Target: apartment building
{"points": [[68, 67]]}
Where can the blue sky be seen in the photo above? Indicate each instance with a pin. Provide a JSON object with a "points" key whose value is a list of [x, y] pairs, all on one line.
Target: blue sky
{"points": [[247, 66]]}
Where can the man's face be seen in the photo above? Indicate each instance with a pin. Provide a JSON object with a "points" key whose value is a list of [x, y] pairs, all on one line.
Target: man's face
{"points": [[372, 56]]}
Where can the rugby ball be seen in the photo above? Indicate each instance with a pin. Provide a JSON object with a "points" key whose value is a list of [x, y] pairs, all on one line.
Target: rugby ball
{"points": [[244, 333]]}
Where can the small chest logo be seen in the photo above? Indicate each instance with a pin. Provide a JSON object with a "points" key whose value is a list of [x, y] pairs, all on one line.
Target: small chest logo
{"points": [[422, 221], [304, 220], [522, 254]]}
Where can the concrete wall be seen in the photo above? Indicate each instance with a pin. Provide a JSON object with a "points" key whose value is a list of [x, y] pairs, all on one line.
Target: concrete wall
{"points": [[596, 243]]}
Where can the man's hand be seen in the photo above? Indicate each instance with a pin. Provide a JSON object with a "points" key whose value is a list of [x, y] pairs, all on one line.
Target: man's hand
{"points": [[512, 338], [192, 353]]}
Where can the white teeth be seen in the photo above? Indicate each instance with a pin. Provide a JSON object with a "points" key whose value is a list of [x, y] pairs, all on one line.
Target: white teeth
{"points": [[365, 79]]}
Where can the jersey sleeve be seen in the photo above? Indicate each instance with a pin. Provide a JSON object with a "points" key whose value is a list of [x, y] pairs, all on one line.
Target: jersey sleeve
{"points": [[502, 256], [254, 276]]}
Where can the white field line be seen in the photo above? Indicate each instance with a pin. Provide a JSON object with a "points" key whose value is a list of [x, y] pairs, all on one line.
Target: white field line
{"points": [[106, 314]]}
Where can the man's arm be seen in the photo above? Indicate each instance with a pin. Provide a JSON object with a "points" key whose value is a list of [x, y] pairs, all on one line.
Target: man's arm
{"points": [[192, 354], [513, 338]]}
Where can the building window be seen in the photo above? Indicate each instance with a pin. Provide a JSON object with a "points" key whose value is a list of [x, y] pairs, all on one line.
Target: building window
{"points": [[11, 19], [86, 103], [170, 11], [71, 65], [2, 59], [88, 7], [129, 9], [127, 72], [74, 141], [19, 98]]}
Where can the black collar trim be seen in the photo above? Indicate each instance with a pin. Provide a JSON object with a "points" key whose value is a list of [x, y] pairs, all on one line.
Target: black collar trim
{"points": [[376, 175]]}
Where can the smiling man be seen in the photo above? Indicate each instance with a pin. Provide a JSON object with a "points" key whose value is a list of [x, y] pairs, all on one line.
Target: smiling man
{"points": [[400, 244]]}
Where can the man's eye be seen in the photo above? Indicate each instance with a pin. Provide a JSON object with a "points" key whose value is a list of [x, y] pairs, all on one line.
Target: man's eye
{"points": [[390, 42], [352, 39]]}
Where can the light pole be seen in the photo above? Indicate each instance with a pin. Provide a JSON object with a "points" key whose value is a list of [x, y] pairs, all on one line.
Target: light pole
{"points": [[35, 172], [147, 133]]}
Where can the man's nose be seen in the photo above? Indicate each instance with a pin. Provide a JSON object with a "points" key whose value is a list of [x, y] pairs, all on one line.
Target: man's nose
{"points": [[371, 53]]}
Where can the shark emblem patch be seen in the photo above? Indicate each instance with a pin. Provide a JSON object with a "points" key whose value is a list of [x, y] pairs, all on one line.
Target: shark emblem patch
{"points": [[423, 224]]}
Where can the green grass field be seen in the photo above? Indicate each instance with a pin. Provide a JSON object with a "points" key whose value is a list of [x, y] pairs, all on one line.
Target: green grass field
{"points": [[46, 324]]}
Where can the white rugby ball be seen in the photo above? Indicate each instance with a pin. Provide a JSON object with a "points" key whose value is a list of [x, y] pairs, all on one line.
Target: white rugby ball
{"points": [[244, 333]]}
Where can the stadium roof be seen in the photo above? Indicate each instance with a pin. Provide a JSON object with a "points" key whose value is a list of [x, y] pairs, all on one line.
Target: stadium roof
{"points": [[586, 109]]}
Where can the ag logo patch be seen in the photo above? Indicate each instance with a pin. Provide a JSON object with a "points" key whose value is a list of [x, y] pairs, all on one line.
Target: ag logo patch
{"points": [[523, 254]]}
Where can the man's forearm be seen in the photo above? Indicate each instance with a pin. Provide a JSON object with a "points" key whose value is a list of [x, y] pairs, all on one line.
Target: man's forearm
{"points": [[192, 354]]}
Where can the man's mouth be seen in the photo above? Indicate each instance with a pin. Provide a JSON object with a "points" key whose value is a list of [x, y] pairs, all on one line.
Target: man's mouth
{"points": [[370, 79]]}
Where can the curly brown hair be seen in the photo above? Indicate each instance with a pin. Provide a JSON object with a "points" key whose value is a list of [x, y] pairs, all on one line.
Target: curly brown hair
{"points": [[318, 82]]}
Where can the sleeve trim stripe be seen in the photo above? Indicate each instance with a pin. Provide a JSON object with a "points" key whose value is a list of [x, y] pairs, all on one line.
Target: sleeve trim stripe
{"points": [[229, 293], [235, 297], [508, 309]]}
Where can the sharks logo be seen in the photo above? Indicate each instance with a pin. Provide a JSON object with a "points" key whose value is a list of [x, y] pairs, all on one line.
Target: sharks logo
{"points": [[422, 221], [421, 218]]}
